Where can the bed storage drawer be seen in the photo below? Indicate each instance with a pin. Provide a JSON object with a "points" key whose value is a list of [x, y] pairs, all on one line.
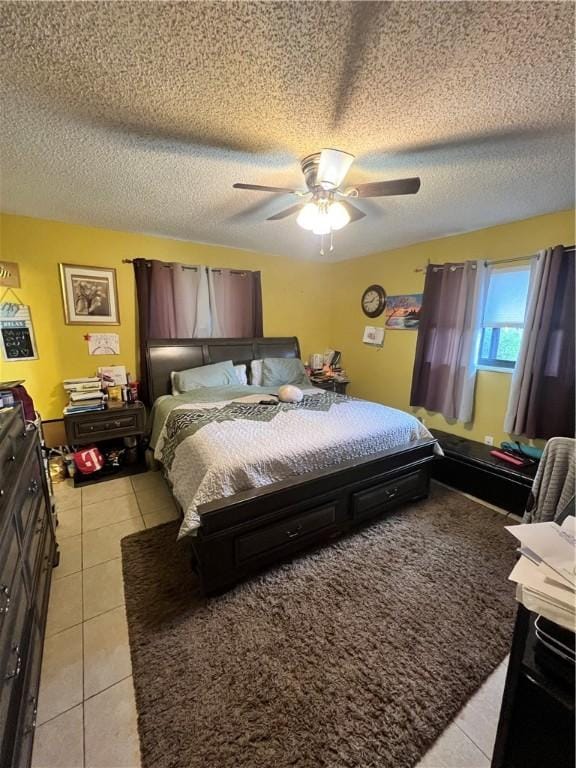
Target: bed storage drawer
{"points": [[379, 497], [285, 532]]}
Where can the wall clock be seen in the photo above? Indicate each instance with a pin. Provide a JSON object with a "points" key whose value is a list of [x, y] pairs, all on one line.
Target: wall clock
{"points": [[373, 300]]}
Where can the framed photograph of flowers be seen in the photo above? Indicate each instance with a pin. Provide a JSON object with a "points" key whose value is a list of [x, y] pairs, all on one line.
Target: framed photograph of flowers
{"points": [[89, 295]]}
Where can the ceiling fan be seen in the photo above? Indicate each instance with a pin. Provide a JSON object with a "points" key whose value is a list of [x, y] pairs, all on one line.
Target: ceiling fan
{"points": [[325, 205]]}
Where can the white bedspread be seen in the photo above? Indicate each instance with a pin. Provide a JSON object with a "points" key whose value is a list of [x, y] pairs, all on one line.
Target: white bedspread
{"points": [[223, 458]]}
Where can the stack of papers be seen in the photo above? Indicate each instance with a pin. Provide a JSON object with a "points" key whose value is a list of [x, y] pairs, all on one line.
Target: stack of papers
{"points": [[546, 573]]}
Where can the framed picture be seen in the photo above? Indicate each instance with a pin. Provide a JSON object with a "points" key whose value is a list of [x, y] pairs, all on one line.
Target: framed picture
{"points": [[89, 295], [403, 312], [9, 274]]}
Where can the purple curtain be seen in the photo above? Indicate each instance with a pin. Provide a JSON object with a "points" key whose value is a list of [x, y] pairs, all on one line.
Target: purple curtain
{"points": [[177, 301], [142, 278], [542, 390], [444, 374], [236, 302]]}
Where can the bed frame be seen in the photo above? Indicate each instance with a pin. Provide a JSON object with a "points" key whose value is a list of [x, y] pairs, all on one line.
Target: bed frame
{"points": [[246, 532]]}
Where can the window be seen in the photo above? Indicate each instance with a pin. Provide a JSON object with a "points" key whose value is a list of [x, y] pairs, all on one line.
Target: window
{"points": [[503, 318]]}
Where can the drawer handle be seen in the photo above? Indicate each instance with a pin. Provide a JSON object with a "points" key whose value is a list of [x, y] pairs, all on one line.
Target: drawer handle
{"points": [[32, 726], [6, 592], [18, 668], [294, 532], [113, 424], [33, 487], [392, 493]]}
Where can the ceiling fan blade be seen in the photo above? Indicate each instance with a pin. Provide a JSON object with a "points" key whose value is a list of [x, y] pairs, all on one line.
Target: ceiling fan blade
{"points": [[286, 212], [355, 213], [333, 167], [261, 188], [386, 188]]}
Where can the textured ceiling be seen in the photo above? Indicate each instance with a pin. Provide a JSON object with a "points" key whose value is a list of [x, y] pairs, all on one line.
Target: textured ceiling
{"points": [[141, 115]]}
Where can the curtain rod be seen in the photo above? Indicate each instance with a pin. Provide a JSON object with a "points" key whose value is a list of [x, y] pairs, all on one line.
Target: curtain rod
{"points": [[494, 261], [168, 265]]}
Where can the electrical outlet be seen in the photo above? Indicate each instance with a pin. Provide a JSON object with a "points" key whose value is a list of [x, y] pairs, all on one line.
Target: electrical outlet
{"points": [[489, 439]]}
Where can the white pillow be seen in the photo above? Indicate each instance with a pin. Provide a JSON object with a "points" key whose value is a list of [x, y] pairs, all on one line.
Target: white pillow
{"points": [[240, 371], [256, 373], [242, 374]]}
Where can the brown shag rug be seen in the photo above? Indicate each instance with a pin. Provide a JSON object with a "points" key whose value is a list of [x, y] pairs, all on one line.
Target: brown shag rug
{"points": [[357, 655]]}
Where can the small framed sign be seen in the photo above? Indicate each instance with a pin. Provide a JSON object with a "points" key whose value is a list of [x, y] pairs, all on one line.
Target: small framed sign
{"points": [[9, 274], [89, 294], [16, 333]]}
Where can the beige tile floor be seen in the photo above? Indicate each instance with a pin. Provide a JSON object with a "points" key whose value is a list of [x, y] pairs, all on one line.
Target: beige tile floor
{"points": [[86, 710]]}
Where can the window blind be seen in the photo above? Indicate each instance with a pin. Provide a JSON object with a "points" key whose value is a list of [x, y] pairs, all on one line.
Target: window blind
{"points": [[506, 298]]}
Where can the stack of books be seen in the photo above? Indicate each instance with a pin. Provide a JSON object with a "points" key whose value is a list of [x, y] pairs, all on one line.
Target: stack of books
{"points": [[85, 395], [545, 574]]}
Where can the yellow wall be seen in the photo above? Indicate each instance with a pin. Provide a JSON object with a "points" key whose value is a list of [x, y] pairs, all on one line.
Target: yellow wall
{"points": [[319, 303], [295, 300], [385, 374]]}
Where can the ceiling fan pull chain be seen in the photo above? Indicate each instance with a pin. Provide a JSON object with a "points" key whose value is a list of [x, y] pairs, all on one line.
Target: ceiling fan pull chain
{"points": [[331, 241], [321, 245]]}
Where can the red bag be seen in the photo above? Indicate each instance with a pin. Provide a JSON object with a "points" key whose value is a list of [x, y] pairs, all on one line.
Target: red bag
{"points": [[88, 460]]}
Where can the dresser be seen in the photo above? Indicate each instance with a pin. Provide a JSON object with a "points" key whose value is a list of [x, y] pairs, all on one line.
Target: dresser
{"points": [[27, 555]]}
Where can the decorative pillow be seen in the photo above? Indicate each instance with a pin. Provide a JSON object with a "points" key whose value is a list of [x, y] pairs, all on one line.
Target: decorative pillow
{"points": [[240, 370], [283, 370], [241, 373], [256, 373], [216, 375]]}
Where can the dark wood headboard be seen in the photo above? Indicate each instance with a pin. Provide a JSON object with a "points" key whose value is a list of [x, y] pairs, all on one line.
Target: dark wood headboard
{"points": [[166, 355]]}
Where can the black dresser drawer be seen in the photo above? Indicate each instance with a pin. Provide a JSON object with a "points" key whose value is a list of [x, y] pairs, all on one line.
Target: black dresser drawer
{"points": [[29, 494], [12, 662], [13, 442], [388, 494], [33, 543], [284, 533], [9, 559], [43, 575], [29, 701]]}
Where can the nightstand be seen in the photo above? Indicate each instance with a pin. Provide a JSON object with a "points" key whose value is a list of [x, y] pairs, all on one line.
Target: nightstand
{"points": [[330, 385], [114, 424]]}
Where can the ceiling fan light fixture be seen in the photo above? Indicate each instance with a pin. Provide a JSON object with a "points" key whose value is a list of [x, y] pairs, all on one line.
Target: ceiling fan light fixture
{"points": [[338, 216], [322, 224], [332, 168], [307, 216]]}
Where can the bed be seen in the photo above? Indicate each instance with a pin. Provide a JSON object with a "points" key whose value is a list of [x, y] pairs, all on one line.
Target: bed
{"points": [[257, 484]]}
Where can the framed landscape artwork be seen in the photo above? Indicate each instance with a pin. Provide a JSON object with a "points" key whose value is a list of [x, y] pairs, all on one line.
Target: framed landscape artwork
{"points": [[89, 295], [403, 312]]}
